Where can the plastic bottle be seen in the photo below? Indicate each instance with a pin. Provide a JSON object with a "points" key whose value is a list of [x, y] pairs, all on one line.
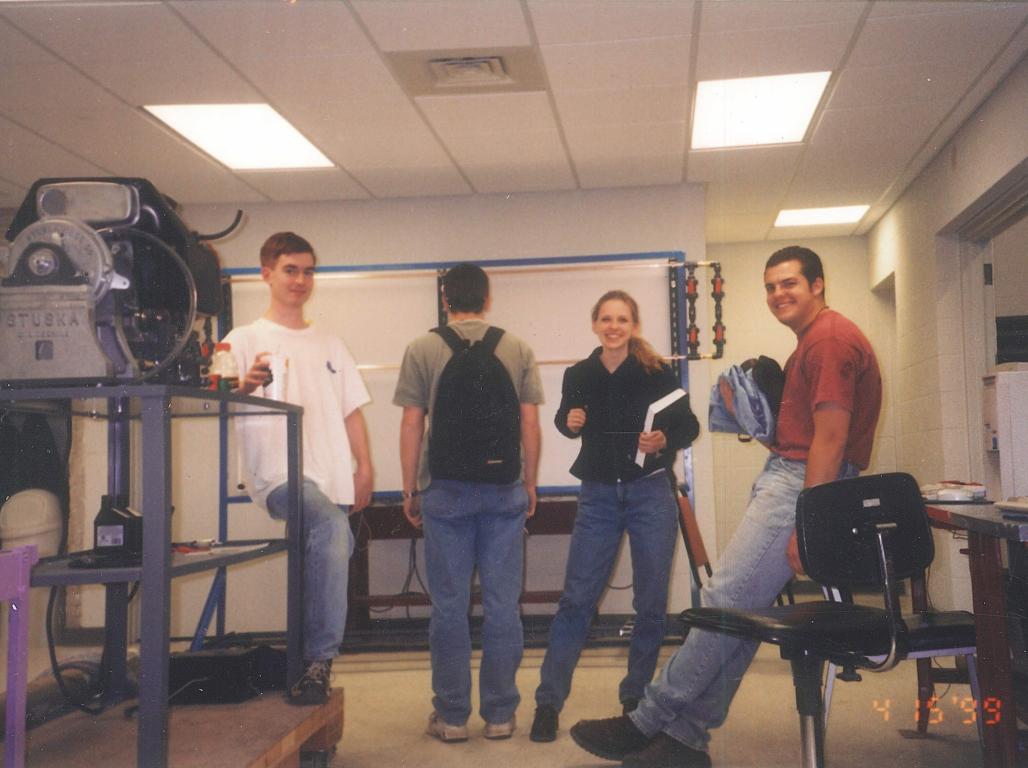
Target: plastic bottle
{"points": [[224, 372]]}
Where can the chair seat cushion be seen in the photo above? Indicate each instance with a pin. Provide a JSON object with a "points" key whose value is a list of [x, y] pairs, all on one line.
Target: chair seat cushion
{"points": [[836, 631], [939, 630], [822, 628]]}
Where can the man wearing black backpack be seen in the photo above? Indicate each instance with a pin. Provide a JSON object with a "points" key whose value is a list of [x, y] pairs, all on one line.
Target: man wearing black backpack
{"points": [[471, 485]]}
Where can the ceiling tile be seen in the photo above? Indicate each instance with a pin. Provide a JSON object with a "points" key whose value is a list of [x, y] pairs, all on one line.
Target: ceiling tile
{"points": [[890, 130], [738, 15], [299, 81], [277, 30], [631, 139], [923, 7], [744, 164], [489, 113], [939, 81], [627, 64], [117, 137], [502, 139], [745, 198], [626, 171], [319, 184], [143, 53], [861, 184], [655, 104], [385, 147], [737, 227], [965, 36], [594, 21], [772, 51], [15, 46], [11, 195], [798, 234], [400, 181], [618, 73], [749, 180], [416, 25], [25, 157], [492, 176]]}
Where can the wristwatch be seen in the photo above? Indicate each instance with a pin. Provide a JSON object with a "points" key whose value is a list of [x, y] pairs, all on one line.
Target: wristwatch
{"points": [[410, 494]]}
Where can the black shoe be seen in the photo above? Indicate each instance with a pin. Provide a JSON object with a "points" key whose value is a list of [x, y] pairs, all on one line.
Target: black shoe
{"points": [[544, 726], [629, 705], [665, 752], [612, 739], [313, 686]]}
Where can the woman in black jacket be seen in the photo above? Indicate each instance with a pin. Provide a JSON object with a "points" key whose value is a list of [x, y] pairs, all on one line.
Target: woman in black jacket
{"points": [[604, 402]]}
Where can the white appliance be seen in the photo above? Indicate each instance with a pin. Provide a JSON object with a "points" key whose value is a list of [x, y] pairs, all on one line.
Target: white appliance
{"points": [[1005, 413]]}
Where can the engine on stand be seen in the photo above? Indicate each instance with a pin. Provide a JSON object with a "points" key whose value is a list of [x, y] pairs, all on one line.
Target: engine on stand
{"points": [[102, 282]]}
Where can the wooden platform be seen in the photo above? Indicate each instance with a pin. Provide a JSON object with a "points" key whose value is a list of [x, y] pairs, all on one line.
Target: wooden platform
{"points": [[260, 733]]}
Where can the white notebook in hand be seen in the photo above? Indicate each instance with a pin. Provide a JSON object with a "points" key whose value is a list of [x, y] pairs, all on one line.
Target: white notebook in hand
{"points": [[657, 412]]}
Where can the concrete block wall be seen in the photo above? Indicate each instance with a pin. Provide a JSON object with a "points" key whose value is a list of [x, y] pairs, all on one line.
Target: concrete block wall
{"points": [[916, 245]]}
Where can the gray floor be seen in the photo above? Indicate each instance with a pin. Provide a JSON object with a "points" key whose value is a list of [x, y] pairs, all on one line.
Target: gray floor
{"points": [[388, 702]]}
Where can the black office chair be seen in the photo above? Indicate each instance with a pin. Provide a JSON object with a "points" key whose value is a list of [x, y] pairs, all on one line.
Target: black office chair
{"points": [[865, 531]]}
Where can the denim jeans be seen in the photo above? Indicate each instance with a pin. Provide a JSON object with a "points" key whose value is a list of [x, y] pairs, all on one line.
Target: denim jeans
{"points": [[647, 509], [468, 525], [326, 567], [696, 686]]}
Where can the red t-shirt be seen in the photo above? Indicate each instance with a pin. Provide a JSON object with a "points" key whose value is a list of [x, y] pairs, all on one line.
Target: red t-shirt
{"points": [[833, 363]]}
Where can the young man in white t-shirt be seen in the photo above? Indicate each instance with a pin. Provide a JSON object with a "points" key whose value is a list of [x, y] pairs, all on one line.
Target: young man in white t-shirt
{"points": [[323, 378]]}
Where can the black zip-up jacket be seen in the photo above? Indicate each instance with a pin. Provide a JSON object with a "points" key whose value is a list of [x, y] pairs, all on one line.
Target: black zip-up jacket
{"points": [[615, 411]]}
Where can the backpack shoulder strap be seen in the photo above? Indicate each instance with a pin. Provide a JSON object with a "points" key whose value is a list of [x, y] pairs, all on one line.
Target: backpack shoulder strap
{"points": [[492, 338], [452, 339]]}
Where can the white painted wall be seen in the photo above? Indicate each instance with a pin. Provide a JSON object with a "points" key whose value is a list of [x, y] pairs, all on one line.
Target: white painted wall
{"points": [[910, 244], [419, 230]]}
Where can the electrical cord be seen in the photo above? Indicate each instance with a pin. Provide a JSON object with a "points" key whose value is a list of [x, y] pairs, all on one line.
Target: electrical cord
{"points": [[57, 669]]}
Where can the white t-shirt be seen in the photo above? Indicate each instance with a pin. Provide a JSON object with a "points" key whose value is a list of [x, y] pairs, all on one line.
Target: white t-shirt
{"points": [[323, 378]]}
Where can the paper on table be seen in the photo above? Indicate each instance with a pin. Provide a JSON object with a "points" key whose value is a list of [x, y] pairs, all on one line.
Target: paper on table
{"points": [[657, 406]]}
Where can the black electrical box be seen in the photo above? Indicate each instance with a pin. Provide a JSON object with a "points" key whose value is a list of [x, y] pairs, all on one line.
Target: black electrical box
{"points": [[117, 530], [225, 675]]}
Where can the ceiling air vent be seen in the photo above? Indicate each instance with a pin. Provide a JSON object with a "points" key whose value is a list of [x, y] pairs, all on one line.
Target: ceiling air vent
{"points": [[468, 71]]}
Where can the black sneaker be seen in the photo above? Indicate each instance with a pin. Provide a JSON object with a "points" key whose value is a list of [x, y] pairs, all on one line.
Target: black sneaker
{"points": [[544, 726], [612, 739], [664, 752], [313, 685], [629, 705]]}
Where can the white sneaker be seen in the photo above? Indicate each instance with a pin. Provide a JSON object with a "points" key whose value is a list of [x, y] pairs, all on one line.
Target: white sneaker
{"points": [[443, 731], [501, 730]]}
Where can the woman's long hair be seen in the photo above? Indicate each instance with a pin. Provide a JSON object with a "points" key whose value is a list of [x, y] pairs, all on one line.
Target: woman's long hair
{"points": [[638, 347]]}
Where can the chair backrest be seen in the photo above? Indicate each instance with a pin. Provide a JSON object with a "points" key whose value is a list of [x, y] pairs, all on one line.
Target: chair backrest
{"points": [[837, 526]]}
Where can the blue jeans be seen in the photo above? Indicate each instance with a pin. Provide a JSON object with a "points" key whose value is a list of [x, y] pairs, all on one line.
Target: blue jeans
{"points": [[326, 567], [696, 686], [647, 509], [468, 525]]}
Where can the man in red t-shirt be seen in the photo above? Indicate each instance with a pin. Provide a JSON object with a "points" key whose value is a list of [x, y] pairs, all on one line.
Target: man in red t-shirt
{"points": [[833, 389], [826, 424]]}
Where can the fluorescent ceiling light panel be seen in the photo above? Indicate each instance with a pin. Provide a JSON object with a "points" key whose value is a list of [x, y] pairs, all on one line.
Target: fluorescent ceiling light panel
{"points": [[752, 111], [804, 217], [245, 137]]}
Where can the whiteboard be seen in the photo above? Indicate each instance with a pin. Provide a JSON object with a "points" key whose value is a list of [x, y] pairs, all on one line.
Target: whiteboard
{"points": [[548, 306]]}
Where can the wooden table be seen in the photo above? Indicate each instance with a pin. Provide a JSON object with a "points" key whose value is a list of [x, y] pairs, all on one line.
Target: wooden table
{"points": [[554, 515], [987, 531]]}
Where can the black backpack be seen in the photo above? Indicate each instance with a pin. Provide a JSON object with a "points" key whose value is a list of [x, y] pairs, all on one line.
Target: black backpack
{"points": [[476, 417]]}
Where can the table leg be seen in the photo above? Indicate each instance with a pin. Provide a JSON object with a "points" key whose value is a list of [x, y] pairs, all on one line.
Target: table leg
{"points": [[115, 672], [998, 711], [154, 646]]}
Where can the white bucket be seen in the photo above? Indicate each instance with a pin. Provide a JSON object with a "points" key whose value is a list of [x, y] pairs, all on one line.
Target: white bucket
{"points": [[31, 517]]}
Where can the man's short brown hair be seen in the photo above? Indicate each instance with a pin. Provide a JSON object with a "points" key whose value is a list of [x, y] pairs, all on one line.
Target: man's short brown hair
{"points": [[284, 242]]}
